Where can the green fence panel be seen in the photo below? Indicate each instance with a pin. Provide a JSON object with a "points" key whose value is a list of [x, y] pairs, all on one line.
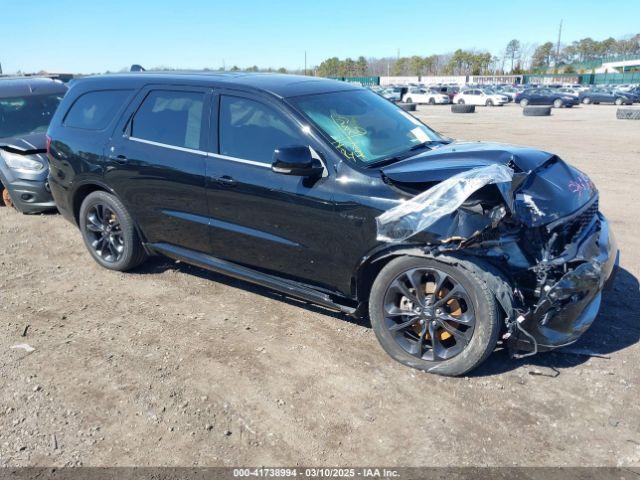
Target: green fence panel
{"points": [[630, 77], [366, 81]]}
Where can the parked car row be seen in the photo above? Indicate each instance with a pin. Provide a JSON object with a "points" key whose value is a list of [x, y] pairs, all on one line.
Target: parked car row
{"points": [[558, 96], [322, 190]]}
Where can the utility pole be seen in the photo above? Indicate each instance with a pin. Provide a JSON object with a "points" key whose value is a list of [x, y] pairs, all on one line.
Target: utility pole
{"points": [[558, 45], [305, 63], [0, 68]]}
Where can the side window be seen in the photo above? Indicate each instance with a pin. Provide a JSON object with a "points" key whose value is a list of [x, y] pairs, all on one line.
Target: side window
{"points": [[170, 117], [94, 110], [252, 130]]}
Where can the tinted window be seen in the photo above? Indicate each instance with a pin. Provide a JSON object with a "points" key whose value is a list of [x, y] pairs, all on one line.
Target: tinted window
{"points": [[170, 117], [23, 115], [94, 110], [253, 130]]}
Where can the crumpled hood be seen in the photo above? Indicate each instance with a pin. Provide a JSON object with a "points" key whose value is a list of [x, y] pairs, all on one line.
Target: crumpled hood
{"points": [[544, 187], [32, 143]]}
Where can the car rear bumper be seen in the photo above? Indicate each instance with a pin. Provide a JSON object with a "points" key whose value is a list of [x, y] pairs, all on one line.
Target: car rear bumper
{"points": [[61, 196], [571, 305]]}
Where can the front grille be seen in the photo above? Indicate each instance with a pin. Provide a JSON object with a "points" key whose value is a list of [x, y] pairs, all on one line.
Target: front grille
{"points": [[570, 229]]}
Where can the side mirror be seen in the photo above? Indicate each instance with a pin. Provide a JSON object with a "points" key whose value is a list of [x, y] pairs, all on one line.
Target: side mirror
{"points": [[296, 160]]}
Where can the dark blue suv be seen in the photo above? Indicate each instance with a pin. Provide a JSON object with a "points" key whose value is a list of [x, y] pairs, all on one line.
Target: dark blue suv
{"points": [[327, 192]]}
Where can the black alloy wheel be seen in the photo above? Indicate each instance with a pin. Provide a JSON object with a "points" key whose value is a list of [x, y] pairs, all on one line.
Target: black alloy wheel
{"points": [[433, 315], [103, 229], [109, 232], [429, 314]]}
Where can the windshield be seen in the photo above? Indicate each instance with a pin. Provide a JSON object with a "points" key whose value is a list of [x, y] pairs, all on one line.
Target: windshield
{"points": [[364, 127], [23, 115]]}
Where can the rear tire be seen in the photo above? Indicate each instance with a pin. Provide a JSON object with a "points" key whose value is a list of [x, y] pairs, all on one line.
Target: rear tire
{"points": [[408, 100], [586, 100], [536, 111], [618, 101], [462, 345], [109, 232], [462, 108], [489, 103], [628, 114], [524, 102], [557, 103]]}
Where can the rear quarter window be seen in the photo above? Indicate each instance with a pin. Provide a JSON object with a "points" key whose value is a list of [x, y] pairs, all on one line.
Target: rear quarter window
{"points": [[94, 110], [171, 118]]}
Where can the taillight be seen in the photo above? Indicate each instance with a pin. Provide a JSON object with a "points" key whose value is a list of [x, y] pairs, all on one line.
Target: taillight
{"points": [[48, 143]]}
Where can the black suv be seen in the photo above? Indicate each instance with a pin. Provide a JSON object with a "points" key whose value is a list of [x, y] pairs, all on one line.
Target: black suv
{"points": [[327, 192], [27, 105]]}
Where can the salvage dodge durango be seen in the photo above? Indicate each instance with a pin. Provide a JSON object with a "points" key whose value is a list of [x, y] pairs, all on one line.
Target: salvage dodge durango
{"points": [[327, 192]]}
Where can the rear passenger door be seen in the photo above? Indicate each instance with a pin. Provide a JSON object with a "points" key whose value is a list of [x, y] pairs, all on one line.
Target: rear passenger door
{"points": [[157, 162]]}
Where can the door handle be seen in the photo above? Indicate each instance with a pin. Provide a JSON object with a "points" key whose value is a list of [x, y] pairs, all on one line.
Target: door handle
{"points": [[121, 159], [226, 181]]}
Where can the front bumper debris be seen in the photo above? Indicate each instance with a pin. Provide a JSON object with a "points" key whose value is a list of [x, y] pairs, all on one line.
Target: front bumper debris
{"points": [[567, 308]]}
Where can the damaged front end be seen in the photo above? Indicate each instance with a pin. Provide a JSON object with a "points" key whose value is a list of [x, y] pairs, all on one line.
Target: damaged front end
{"points": [[532, 219]]}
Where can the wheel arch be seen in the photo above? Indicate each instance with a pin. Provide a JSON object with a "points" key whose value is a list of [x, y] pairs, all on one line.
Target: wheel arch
{"points": [[84, 190], [496, 280]]}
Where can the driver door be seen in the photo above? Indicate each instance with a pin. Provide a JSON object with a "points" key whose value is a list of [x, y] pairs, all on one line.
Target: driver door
{"points": [[268, 221]]}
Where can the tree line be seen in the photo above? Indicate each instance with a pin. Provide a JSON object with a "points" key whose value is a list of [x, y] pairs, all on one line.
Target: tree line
{"points": [[516, 58]]}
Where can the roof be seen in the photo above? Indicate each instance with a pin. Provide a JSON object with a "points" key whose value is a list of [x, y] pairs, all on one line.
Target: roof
{"points": [[280, 85], [26, 86]]}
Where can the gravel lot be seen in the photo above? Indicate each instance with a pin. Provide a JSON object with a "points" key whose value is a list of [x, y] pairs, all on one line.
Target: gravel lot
{"points": [[173, 365]]}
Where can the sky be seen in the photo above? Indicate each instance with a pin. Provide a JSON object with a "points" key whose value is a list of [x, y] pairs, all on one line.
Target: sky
{"points": [[93, 36]]}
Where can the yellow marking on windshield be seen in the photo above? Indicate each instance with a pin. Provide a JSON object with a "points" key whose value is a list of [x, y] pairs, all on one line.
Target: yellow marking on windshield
{"points": [[350, 129]]}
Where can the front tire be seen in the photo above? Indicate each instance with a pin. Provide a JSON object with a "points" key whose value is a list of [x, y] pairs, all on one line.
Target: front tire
{"points": [[586, 100], [489, 103], [524, 102], [618, 101], [6, 198], [557, 103], [432, 101], [408, 100], [415, 300], [109, 233]]}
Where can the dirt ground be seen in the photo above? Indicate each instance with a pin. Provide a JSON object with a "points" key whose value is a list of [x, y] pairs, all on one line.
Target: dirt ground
{"points": [[172, 365]]}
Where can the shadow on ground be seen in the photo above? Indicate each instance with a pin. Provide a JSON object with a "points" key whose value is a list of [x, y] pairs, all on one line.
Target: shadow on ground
{"points": [[160, 264], [616, 327]]}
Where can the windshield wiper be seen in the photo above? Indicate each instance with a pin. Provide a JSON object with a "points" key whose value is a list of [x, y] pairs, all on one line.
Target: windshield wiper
{"points": [[408, 153], [418, 146]]}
